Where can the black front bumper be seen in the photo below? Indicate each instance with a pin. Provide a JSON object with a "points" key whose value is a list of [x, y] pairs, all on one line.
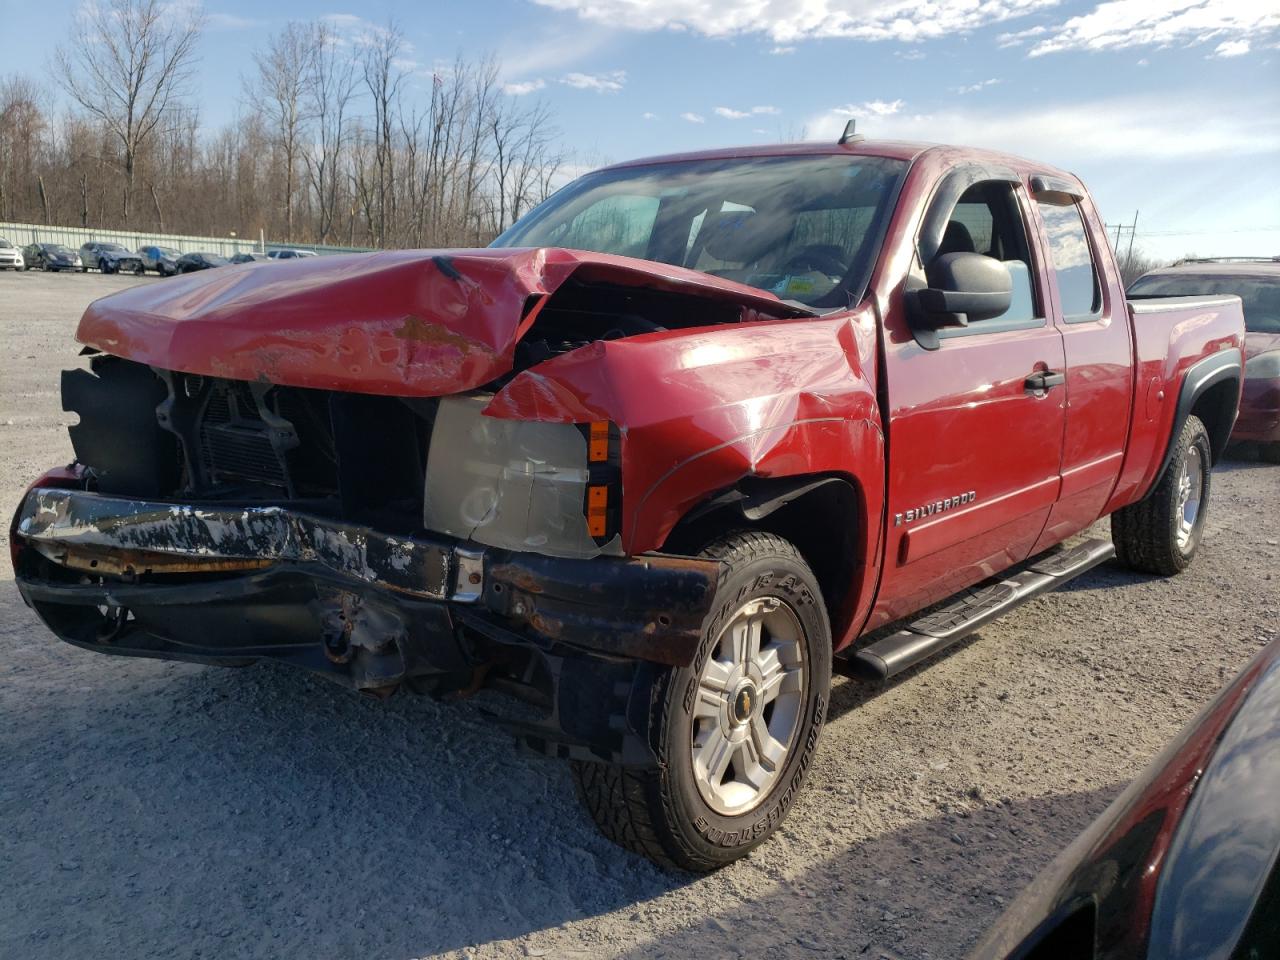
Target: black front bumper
{"points": [[222, 584]]}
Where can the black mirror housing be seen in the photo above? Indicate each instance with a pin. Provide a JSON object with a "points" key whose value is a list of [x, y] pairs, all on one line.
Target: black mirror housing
{"points": [[964, 287]]}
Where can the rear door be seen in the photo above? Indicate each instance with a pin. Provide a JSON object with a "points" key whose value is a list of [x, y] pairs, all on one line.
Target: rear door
{"points": [[974, 447], [1089, 309]]}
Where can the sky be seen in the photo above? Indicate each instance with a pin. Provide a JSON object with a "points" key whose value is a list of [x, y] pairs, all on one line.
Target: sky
{"points": [[1169, 110]]}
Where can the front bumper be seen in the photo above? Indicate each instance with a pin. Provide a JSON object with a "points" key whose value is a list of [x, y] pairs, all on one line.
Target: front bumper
{"points": [[1259, 417], [231, 584]]}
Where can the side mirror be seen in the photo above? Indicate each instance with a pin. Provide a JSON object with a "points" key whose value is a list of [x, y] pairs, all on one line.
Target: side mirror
{"points": [[963, 287]]}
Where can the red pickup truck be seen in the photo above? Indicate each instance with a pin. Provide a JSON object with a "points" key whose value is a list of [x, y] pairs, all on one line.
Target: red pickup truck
{"points": [[690, 431]]}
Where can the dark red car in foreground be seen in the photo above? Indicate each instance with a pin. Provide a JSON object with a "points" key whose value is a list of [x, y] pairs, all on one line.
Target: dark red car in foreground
{"points": [[1256, 281], [1185, 864], [688, 431]]}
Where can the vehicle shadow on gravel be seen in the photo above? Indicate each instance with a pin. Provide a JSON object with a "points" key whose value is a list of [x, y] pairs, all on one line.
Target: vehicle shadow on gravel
{"points": [[163, 810], [875, 898]]}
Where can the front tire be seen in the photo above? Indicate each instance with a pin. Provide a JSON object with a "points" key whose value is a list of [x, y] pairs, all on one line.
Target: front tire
{"points": [[1161, 533], [735, 731]]}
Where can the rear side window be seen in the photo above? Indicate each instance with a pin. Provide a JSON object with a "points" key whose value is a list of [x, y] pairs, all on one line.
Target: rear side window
{"points": [[1072, 261]]}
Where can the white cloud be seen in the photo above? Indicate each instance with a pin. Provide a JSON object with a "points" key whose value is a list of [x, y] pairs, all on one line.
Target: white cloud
{"points": [[648, 116], [1021, 36], [1117, 24], [785, 21], [765, 110], [521, 88], [693, 117], [1136, 128], [730, 114], [610, 82], [782, 51], [910, 54], [872, 108], [975, 87], [1231, 48]]}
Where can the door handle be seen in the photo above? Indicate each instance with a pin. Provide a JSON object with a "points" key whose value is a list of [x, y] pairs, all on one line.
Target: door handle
{"points": [[1043, 380]]}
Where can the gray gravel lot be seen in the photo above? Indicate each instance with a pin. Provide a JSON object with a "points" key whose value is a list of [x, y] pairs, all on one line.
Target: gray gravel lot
{"points": [[151, 809]]}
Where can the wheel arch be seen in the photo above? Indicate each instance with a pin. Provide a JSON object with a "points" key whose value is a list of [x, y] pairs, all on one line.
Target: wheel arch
{"points": [[1210, 390], [822, 515]]}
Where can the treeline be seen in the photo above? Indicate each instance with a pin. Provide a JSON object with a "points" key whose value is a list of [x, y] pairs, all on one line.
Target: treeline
{"points": [[339, 137]]}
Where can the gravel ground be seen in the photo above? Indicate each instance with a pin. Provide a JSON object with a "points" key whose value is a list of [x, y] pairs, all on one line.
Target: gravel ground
{"points": [[153, 809]]}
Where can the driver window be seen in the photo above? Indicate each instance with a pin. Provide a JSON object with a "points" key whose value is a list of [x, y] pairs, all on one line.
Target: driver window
{"points": [[986, 220]]}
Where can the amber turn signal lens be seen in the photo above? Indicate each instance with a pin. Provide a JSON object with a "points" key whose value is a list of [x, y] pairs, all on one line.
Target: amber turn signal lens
{"points": [[598, 443], [598, 510]]}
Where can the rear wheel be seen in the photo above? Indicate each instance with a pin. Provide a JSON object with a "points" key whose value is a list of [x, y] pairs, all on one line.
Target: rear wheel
{"points": [[1160, 533], [735, 731]]}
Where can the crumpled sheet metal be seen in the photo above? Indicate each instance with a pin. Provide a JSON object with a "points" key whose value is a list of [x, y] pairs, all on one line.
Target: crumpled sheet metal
{"points": [[52, 517], [699, 411], [412, 323]]}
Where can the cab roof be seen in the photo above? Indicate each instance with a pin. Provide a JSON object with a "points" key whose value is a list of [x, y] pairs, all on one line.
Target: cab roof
{"points": [[893, 149]]}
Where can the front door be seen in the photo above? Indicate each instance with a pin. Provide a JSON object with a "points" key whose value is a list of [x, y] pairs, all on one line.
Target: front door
{"points": [[974, 448]]}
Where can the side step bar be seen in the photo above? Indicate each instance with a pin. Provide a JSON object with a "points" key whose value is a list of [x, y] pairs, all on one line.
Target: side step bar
{"points": [[973, 609]]}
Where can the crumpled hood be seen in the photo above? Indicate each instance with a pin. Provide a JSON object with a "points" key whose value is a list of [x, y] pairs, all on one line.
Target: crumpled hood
{"points": [[399, 323]]}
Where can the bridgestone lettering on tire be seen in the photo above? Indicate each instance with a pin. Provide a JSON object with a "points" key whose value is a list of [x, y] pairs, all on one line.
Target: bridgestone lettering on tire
{"points": [[1161, 533], [766, 653]]}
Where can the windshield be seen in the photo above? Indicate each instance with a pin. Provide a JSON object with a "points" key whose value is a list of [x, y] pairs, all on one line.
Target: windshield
{"points": [[1261, 295], [5, 244], [59, 249], [168, 252], [803, 228], [113, 247]]}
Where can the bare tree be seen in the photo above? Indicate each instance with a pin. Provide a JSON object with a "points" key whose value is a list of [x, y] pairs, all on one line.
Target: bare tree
{"points": [[279, 92], [127, 61], [331, 85]]}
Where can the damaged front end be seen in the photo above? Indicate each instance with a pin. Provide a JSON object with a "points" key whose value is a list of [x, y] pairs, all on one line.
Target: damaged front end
{"points": [[238, 507], [229, 584]]}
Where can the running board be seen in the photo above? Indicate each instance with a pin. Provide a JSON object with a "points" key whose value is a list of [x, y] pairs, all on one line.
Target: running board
{"points": [[974, 608]]}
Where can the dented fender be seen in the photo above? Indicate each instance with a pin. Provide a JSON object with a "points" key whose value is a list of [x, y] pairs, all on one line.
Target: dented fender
{"points": [[697, 412]]}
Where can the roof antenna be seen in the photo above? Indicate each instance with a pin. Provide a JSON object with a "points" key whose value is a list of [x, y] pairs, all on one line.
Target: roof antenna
{"points": [[850, 134]]}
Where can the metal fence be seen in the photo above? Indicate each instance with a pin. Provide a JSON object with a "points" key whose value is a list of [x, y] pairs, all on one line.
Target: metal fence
{"points": [[22, 234]]}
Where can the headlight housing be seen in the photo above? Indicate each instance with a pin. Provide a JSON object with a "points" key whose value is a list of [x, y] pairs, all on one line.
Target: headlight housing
{"points": [[520, 485], [1263, 367]]}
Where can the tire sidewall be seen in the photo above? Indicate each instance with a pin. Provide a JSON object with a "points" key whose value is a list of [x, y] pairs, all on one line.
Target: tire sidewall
{"points": [[711, 836], [1196, 436]]}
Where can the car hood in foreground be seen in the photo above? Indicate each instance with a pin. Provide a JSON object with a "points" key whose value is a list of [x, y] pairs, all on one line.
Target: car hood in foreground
{"points": [[400, 323], [1256, 343]]}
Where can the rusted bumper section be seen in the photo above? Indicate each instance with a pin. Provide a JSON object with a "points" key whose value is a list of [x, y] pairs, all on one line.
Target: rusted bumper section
{"points": [[227, 584]]}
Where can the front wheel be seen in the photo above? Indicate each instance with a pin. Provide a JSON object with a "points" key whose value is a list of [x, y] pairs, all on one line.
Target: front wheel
{"points": [[735, 731], [1160, 533]]}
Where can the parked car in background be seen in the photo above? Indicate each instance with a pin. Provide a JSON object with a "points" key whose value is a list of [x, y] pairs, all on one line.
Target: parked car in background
{"points": [[191, 262], [246, 256], [10, 256], [1256, 281], [289, 254], [685, 433], [1185, 864], [51, 256], [163, 260], [109, 258]]}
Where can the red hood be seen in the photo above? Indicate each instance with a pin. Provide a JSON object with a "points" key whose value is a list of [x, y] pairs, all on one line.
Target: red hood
{"points": [[401, 323]]}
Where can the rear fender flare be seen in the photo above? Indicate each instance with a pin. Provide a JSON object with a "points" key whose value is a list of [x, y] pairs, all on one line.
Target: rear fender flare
{"points": [[1225, 365]]}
